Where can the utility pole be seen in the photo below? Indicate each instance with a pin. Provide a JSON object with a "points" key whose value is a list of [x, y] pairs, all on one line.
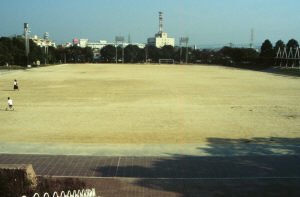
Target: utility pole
{"points": [[252, 39], [186, 51], [119, 39], [46, 36], [129, 39], [122, 52], [186, 41], [26, 34], [146, 54], [116, 53], [180, 53]]}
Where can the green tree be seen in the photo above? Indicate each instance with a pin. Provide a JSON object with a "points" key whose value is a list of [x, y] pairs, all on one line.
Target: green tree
{"points": [[12, 50], [292, 43], [108, 53], [132, 53], [153, 53], [267, 53], [240, 55], [88, 54], [5, 55], [267, 49], [278, 45], [19, 51], [36, 52], [167, 52]]}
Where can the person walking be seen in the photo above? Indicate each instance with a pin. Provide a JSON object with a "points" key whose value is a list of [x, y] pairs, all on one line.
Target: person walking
{"points": [[10, 104], [16, 87]]}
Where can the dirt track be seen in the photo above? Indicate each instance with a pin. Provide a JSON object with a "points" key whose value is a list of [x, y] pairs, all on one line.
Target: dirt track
{"points": [[147, 104]]}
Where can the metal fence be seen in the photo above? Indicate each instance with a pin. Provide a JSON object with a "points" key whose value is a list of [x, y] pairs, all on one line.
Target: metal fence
{"points": [[288, 58], [74, 193]]}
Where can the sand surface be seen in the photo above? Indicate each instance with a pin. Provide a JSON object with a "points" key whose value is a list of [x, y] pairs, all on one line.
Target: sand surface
{"points": [[147, 104]]}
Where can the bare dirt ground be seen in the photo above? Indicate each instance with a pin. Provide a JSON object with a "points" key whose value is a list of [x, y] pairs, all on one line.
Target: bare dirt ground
{"points": [[107, 103]]}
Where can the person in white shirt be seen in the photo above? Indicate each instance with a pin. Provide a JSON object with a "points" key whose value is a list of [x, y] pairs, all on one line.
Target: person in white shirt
{"points": [[16, 87], [10, 104]]}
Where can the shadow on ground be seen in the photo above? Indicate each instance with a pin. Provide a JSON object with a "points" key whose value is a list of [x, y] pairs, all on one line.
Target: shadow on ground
{"points": [[285, 72], [265, 174], [252, 147], [290, 72], [280, 71], [8, 90]]}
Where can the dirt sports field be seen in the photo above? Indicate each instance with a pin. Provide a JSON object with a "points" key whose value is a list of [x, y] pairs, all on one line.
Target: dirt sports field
{"points": [[107, 103]]}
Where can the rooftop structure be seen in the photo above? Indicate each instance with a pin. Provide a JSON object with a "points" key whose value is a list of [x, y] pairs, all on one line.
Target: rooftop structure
{"points": [[42, 42]]}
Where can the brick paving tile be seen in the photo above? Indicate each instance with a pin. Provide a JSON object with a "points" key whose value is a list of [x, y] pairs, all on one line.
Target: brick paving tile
{"points": [[138, 176], [160, 167]]}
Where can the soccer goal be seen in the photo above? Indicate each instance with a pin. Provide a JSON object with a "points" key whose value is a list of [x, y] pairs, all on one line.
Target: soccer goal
{"points": [[166, 61]]}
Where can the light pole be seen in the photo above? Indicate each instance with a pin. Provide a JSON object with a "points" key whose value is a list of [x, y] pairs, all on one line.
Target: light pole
{"points": [[186, 41], [46, 36], [121, 40], [26, 34], [146, 54], [116, 53]]}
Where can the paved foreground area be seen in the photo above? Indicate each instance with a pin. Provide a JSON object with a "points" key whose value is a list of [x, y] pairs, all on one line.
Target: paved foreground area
{"points": [[173, 176], [243, 167], [139, 187]]}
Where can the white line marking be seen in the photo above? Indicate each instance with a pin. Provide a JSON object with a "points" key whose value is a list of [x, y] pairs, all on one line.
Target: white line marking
{"points": [[118, 166], [196, 178]]}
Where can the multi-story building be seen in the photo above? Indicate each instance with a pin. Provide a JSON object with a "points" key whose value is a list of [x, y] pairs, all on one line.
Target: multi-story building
{"points": [[43, 42], [83, 42], [102, 43], [160, 40]]}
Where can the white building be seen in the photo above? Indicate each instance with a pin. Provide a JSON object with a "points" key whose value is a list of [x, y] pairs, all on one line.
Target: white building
{"points": [[161, 38], [43, 42], [97, 46], [68, 44], [83, 42], [102, 43]]}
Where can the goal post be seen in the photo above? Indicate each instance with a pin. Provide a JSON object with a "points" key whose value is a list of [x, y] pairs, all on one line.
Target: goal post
{"points": [[166, 61]]}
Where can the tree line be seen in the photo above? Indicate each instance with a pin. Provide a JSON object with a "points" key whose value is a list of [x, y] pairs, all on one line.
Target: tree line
{"points": [[228, 56], [12, 51]]}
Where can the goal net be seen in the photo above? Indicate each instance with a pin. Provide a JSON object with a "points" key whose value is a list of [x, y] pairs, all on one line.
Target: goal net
{"points": [[166, 61]]}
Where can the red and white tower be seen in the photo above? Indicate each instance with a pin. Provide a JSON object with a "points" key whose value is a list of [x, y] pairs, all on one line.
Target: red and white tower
{"points": [[161, 38], [160, 22]]}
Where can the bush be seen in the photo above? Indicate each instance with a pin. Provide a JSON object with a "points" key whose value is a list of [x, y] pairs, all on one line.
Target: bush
{"points": [[13, 183]]}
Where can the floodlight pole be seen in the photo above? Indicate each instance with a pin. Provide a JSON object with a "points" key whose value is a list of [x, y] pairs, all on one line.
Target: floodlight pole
{"points": [[46, 36], [26, 34], [123, 52], [186, 40], [116, 53], [119, 39], [187, 52], [180, 43], [146, 54]]}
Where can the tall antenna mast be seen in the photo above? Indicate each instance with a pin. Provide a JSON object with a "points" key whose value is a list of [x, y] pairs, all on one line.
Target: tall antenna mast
{"points": [[160, 22], [129, 39], [252, 38]]}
